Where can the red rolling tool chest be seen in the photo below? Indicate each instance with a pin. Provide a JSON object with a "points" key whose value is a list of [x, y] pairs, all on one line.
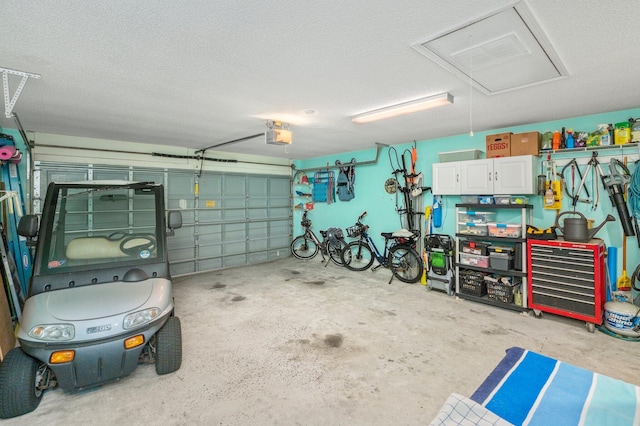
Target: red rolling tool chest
{"points": [[567, 279]]}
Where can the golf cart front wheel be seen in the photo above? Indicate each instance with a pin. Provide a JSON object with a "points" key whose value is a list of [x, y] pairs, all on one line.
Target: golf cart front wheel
{"points": [[19, 381], [169, 347]]}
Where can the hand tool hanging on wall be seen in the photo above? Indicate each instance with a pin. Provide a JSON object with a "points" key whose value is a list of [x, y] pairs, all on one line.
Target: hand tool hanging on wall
{"points": [[553, 187], [634, 199], [571, 184], [614, 183], [427, 231]]}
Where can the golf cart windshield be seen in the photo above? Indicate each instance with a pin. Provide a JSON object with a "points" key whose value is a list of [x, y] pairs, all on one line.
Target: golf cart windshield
{"points": [[89, 227]]}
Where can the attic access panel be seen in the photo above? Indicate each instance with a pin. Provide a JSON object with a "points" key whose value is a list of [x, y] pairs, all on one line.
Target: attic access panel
{"points": [[504, 51]]}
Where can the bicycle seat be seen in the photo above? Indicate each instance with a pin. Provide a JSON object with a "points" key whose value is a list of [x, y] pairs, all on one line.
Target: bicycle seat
{"points": [[387, 235], [323, 233], [403, 233]]}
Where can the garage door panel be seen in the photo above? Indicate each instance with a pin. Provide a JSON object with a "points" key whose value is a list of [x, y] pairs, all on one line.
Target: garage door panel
{"points": [[210, 216], [258, 244], [210, 233], [234, 247], [258, 257], [234, 184], [181, 253], [210, 186], [148, 176], [257, 202], [255, 214], [231, 261], [183, 268], [280, 213], [257, 185], [100, 174], [210, 264], [180, 184], [210, 250], [234, 215], [279, 186], [232, 203]]}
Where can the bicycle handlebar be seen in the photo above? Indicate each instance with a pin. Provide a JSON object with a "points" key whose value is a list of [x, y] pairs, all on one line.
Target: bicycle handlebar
{"points": [[364, 213]]}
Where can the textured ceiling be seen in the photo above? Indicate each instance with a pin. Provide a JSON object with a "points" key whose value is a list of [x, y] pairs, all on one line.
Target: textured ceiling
{"points": [[198, 73]]}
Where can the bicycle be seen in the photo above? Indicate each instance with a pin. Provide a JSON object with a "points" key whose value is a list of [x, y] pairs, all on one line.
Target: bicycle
{"points": [[399, 253], [307, 245]]}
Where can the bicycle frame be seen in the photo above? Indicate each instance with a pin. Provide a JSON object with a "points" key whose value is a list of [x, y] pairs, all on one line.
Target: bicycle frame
{"points": [[399, 253], [380, 257]]}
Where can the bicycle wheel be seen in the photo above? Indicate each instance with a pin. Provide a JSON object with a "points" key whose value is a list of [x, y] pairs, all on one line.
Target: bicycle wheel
{"points": [[304, 247], [335, 251], [357, 256], [405, 263]]}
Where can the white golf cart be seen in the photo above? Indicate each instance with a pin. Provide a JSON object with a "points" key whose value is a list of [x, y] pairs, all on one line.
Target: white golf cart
{"points": [[100, 300]]}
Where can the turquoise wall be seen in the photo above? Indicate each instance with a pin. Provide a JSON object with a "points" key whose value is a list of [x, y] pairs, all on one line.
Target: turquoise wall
{"points": [[370, 194]]}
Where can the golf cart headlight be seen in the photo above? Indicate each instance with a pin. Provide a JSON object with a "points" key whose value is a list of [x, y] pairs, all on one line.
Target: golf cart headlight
{"points": [[139, 318], [53, 332]]}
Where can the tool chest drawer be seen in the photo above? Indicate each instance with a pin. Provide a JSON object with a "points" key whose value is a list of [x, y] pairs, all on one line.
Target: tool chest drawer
{"points": [[567, 278]]}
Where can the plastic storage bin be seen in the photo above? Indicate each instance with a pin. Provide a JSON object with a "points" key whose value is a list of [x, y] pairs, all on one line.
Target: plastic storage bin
{"points": [[473, 283], [470, 199], [501, 289], [510, 199], [474, 247], [474, 260], [519, 199], [507, 230], [476, 217], [501, 261], [487, 199], [470, 228]]}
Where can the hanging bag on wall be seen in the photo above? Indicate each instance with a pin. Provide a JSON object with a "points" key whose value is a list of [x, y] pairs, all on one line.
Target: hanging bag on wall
{"points": [[346, 179]]}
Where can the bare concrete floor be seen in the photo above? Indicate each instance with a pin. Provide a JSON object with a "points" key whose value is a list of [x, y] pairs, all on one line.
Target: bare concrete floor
{"points": [[294, 343]]}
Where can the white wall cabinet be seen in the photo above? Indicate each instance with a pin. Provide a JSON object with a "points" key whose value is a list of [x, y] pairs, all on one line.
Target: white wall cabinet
{"points": [[446, 178], [499, 176]]}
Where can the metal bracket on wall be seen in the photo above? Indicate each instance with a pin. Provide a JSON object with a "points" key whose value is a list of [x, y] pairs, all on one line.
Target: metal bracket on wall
{"points": [[10, 101], [379, 147]]}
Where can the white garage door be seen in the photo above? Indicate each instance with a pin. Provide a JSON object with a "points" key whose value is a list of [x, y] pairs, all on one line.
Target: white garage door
{"points": [[229, 219]]}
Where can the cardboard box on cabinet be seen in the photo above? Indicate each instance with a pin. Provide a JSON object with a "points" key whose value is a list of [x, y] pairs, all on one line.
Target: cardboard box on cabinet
{"points": [[525, 143], [498, 145]]}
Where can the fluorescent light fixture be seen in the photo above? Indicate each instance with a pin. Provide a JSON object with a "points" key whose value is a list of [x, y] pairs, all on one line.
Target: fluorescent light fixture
{"points": [[404, 108]]}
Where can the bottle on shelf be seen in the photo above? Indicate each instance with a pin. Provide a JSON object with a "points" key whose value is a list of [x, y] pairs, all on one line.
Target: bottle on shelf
{"points": [[605, 136], [635, 130], [570, 141], [556, 141]]}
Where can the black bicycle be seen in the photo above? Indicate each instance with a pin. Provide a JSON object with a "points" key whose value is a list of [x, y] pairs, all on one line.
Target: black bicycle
{"points": [[399, 253], [307, 245]]}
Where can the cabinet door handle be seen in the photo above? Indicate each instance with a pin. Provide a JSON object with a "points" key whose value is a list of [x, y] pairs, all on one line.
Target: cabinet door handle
{"points": [[457, 177], [489, 176], [496, 175]]}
